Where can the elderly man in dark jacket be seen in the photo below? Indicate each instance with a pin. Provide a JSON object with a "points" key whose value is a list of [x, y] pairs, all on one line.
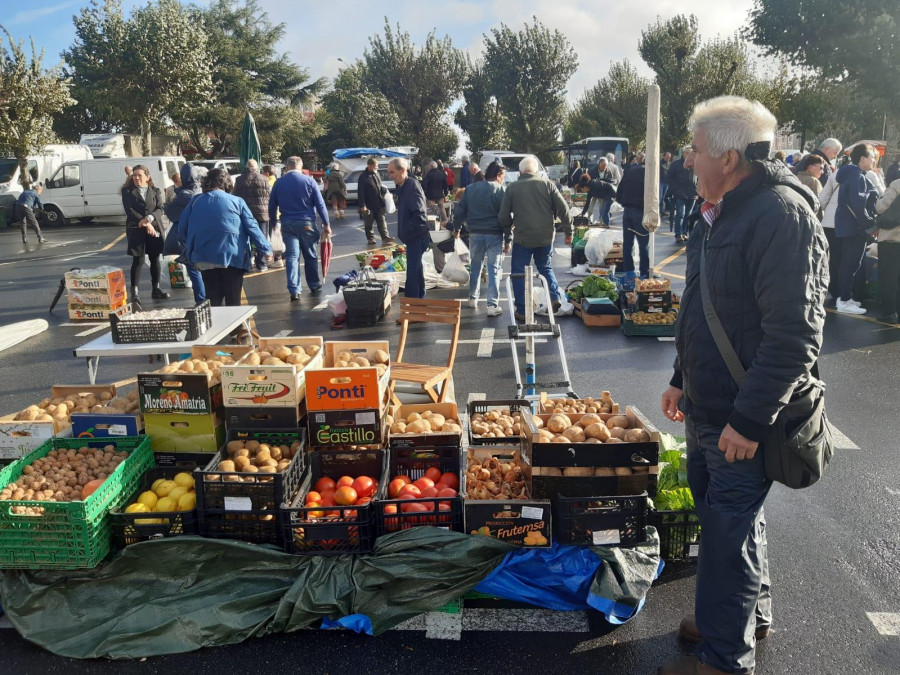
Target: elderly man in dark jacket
{"points": [[253, 188], [436, 188], [412, 225], [767, 274], [191, 177], [370, 195]]}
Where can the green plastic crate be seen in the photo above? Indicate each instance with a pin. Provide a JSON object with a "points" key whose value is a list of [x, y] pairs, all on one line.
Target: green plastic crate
{"points": [[69, 535], [632, 329], [452, 607]]}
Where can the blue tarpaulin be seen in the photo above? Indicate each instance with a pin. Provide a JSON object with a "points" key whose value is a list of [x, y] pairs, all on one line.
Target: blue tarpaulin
{"points": [[347, 153]]}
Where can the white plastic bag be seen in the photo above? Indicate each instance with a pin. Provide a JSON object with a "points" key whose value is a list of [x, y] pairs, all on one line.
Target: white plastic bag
{"points": [[455, 270], [598, 245], [277, 240], [389, 204], [336, 303]]}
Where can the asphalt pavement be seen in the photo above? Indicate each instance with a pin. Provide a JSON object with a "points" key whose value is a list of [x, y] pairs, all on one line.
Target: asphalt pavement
{"points": [[834, 548]]}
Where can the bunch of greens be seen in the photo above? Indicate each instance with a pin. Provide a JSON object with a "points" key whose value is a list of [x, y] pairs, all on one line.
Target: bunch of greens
{"points": [[673, 492], [594, 286]]}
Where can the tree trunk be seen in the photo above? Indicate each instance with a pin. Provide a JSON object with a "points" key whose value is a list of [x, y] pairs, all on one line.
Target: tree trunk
{"points": [[24, 176], [802, 140], [146, 137]]}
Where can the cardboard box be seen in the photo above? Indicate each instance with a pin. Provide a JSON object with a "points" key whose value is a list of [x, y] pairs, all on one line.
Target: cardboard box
{"points": [[264, 417], [103, 425], [178, 275], [111, 297], [441, 439], [331, 388], [188, 393], [509, 520], [88, 313], [178, 433], [245, 385], [346, 427], [99, 278]]}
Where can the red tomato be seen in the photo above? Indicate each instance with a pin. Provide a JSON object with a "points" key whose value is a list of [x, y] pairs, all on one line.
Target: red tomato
{"points": [[350, 514], [364, 486], [313, 496], [345, 496], [443, 506], [324, 483], [414, 507], [363, 501], [433, 473], [391, 524], [451, 480], [423, 483], [314, 514], [409, 489], [447, 492], [344, 480], [390, 509], [430, 492], [328, 500], [404, 478], [394, 488]]}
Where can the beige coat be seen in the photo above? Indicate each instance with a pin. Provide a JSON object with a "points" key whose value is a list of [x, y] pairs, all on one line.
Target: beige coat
{"points": [[883, 204]]}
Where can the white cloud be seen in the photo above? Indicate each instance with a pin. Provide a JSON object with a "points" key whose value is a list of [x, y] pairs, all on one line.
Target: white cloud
{"points": [[29, 15]]}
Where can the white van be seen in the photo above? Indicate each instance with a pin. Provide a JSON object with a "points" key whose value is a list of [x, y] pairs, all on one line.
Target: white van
{"points": [[40, 167], [231, 164], [90, 189], [511, 161]]}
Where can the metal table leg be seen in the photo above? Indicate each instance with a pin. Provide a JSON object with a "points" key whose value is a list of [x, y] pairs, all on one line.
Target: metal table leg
{"points": [[93, 365]]}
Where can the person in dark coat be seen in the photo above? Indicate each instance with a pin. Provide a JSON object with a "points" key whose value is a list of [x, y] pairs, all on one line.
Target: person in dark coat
{"points": [[27, 203], [683, 194], [465, 178], [630, 195], [893, 172], [191, 179], [253, 188], [435, 187], [412, 224], [370, 195], [143, 204], [767, 273]]}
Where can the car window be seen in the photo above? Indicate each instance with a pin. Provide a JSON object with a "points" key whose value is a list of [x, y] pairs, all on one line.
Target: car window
{"points": [[234, 168], [385, 176], [353, 177], [171, 168], [511, 163], [72, 175], [7, 169]]}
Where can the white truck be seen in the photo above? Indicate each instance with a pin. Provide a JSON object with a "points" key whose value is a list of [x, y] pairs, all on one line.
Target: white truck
{"points": [[40, 167]]}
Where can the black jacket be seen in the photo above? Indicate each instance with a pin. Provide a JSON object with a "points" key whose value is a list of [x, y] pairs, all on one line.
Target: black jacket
{"points": [[631, 190], [369, 192], [435, 184], [412, 223], [253, 188], [681, 181], [137, 208], [767, 269], [191, 176]]}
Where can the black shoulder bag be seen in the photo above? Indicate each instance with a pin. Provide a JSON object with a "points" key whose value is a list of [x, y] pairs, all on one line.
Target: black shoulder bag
{"points": [[799, 445]]}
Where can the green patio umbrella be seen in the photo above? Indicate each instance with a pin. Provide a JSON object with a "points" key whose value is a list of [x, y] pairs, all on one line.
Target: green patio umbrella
{"points": [[249, 142]]}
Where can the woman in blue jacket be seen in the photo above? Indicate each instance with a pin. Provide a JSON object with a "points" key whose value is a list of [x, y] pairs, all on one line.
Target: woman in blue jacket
{"points": [[854, 216], [217, 229]]}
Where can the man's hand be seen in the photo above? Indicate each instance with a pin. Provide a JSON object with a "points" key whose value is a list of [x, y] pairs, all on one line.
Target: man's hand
{"points": [[507, 248], [670, 400], [456, 233], [735, 446], [568, 240], [364, 210]]}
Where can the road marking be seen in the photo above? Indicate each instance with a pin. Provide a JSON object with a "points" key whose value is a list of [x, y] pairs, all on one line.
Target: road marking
{"points": [[446, 626], [885, 623], [82, 325], [841, 442], [669, 274], [479, 341], [666, 338], [896, 493], [321, 305], [113, 242], [283, 333], [91, 331], [486, 344], [863, 318], [672, 257]]}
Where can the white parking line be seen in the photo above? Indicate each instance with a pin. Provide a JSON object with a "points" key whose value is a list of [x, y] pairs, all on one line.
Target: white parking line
{"points": [[321, 305], [486, 344], [841, 442], [283, 333], [886, 623], [445, 626], [91, 331]]}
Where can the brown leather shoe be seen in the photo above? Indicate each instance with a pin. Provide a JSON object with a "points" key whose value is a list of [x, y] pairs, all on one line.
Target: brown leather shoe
{"points": [[689, 632], [688, 665]]}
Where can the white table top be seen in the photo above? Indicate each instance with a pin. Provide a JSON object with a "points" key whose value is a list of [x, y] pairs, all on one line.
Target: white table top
{"points": [[224, 320]]}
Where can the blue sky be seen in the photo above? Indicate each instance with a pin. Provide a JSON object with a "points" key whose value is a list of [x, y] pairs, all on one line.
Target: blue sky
{"points": [[322, 31]]}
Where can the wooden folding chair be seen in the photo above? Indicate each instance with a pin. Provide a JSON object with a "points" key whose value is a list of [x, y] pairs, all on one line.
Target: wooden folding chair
{"points": [[415, 310]]}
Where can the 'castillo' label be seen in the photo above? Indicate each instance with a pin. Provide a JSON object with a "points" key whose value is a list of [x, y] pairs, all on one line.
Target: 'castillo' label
{"points": [[345, 436]]}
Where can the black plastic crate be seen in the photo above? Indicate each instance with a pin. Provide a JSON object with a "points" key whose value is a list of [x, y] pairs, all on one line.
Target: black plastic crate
{"points": [[351, 529], [679, 534], [443, 512], [125, 528], [196, 321], [364, 317], [601, 521], [254, 526], [548, 487], [247, 491], [514, 405]]}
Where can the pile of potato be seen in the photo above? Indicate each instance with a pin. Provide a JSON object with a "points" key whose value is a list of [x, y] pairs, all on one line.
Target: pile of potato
{"points": [[60, 408], [582, 405], [494, 478], [252, 457], [654, 318], [212, 367], [423, 423], [282, 356], [499, 423], [63, 476], [346, 359], [589, 428]]}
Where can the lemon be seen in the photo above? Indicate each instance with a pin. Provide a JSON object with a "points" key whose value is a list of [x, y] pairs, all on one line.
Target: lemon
{"points": [[156, 483], [185, 480], [138, 507], [148, 498], [187, 502], [177, 493], [166, 505], [164, 488]]}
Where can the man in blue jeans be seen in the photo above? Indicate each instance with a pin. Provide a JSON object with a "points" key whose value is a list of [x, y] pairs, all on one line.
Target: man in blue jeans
{"points": [[683, 194], [299, 199], [529, 206], [767, 276], [631, 196], [412, 225]]}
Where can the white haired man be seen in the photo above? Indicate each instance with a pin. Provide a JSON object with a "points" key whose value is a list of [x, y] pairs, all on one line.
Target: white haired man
{"points": [[766, 264], [412, 225], [530, 206], [829, 149]]}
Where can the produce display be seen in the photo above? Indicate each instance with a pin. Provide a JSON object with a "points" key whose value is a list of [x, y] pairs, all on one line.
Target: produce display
{"points": [[653, 285], [212, 367], [593, 286], [60, 408], [327, 494], [63, 476], [589, 428], [673, 491], [280, 356], [427, 422], [500, 423], [346, 359], [604, 404], [252, 457], [493, 478], [654, 318], [165, 496]]}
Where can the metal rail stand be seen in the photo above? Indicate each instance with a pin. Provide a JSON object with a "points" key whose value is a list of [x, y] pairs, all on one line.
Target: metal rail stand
{"points": [[530, 388]]}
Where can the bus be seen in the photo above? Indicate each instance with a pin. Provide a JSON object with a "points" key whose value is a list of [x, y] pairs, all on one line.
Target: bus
{"points": [[589, 150]]}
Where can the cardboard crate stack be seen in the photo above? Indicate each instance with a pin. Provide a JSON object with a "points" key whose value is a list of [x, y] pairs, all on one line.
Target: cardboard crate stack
{"points": [[96, 293]]}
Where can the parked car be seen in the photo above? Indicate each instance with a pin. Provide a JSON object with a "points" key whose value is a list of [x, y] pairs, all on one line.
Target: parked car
{"points": [[510, 160], [230, 164], [352, 180]]}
